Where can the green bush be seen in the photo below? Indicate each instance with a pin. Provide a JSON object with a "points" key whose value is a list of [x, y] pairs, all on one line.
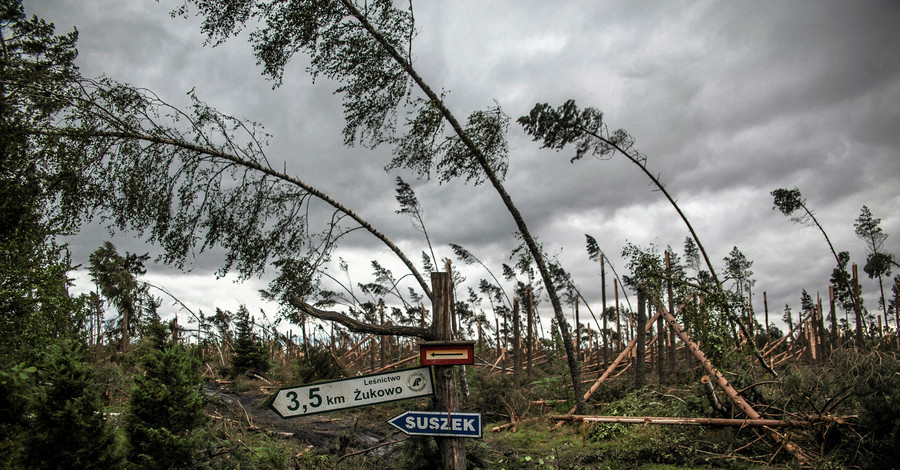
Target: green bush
{"points": [[877, 389], [249, 353], [316, 364], [165, 405], [69, 428], [16, 387], [850, 383]]}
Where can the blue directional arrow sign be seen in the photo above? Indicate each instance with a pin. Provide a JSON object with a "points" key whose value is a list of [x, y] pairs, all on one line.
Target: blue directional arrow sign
{"points": [[439, 423]]}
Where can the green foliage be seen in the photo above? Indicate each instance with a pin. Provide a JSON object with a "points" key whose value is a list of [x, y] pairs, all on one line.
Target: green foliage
{"points": [[116, 276], [788, 201], [40, 196], [317, 363], [850, 383], [647, 268], [236, 446], [165, 406], [249, 353], [558, 127], [877, 389], [341, 50], [868, 229], [737, 268], [841, 280], [643, 402], [69, 428], [16, 387]]}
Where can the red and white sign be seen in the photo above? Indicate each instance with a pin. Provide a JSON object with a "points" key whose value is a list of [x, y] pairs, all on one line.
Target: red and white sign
{"points": [[447, 353]]}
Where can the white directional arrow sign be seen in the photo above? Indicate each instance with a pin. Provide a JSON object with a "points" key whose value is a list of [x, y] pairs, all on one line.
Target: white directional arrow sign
{"points": [[364, 390]]}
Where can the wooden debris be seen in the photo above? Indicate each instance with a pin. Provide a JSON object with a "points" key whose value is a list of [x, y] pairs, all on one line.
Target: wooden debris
{"points": [[775, 423], [745, 407], [711, 396]]}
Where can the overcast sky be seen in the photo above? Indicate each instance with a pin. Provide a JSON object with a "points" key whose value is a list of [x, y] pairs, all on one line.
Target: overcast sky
{"points": [[728, 101]]}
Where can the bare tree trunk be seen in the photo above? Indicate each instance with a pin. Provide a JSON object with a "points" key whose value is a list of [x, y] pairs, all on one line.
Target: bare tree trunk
{"points": [[835, 334], [529, 351], [605, 334], [452, 449], [383, 353], [859, 320], [640, 336], [670, 337], [517, 349], [618, 320]]}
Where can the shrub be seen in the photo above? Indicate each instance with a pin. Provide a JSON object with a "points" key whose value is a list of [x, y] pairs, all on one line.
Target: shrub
{"points": [[165, 406], [316, 364], [16, 386], [877, 390], [69, 428]]}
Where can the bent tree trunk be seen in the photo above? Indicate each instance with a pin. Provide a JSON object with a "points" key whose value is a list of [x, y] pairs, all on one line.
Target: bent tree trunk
{"points": [[533, 248]]}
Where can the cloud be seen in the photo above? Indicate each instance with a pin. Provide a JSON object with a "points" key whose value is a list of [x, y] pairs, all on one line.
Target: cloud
{"points": [[727, 100]]}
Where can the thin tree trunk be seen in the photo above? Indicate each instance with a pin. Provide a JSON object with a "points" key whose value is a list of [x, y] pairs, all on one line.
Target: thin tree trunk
{"points": [[530, 336], [618, 320], [533, 248], [517, 349], [670, 337], [859, 320], [640, 336], [605, 334]]}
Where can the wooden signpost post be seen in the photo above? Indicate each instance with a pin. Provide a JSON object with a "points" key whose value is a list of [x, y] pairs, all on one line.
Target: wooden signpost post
{"points": [[453, 449], [438, 357]]}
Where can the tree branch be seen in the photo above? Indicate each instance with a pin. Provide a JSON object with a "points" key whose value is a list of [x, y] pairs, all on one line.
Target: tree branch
{"points": [[359, 327]]}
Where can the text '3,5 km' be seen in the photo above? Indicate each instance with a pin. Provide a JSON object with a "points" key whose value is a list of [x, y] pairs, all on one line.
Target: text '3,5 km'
{"points": [[353, 392]]}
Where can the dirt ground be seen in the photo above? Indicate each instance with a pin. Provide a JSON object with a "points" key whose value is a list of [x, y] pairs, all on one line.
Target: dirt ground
{"points": [[320, 431]]}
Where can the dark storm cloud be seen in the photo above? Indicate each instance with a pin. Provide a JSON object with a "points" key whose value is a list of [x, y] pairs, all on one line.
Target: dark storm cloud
{"points": [[728, 101]]}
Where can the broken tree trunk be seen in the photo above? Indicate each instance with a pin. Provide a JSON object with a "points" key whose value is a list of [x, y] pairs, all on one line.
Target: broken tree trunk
{"points": [[358, 326], [609, 370], [711, 396], [775, 423], [640, 336], [452, 449], [732, 394], [790, 333]]}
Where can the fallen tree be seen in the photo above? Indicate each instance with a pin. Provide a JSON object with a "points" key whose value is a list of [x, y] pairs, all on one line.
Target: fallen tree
{"points": [[775, 423]]}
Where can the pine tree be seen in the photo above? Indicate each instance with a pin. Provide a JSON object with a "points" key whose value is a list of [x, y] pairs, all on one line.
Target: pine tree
{"points": [[69, 429], [165, 406], [249, 353]]}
